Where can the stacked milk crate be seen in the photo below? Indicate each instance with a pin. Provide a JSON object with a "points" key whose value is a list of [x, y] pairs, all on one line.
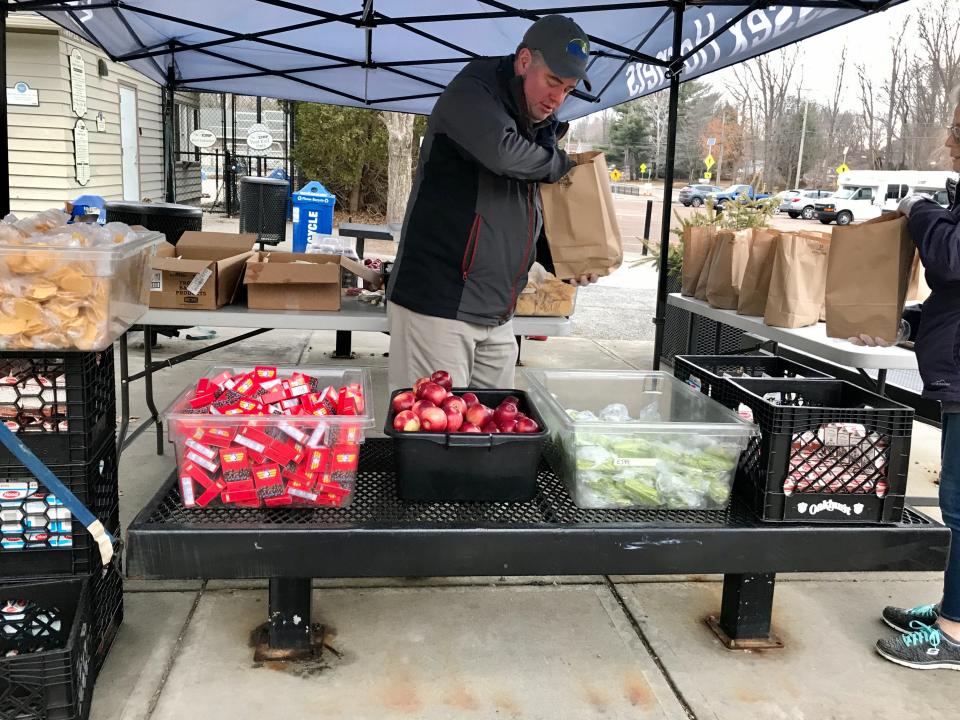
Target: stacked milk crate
{"points": [[66, 293]]}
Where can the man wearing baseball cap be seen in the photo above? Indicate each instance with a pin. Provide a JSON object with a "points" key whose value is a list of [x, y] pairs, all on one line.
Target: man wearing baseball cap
{"points": [[474, 225]]}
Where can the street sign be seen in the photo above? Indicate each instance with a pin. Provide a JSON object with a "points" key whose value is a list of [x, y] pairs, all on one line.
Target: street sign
{"points": [[709, 161], [615, 175], [707, 175], [842, 168], [643, 167], [711, 142]]}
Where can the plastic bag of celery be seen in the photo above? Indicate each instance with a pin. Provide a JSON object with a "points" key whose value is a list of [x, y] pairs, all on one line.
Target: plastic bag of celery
{"points": [[663, 471]]}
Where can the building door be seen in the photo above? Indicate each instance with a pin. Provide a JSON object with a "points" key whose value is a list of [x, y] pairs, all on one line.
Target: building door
{"points": [[129, 143]]}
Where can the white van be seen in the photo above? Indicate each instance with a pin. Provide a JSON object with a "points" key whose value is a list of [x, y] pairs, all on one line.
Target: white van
{"points": [[864, 194]]}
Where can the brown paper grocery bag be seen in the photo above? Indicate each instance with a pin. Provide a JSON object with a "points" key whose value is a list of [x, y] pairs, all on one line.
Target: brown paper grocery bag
{"points": [[727, 267], [701, 292], [867, 277], [917, 288], [580, 221], [696, 247], [756, 278], [797, 281]]}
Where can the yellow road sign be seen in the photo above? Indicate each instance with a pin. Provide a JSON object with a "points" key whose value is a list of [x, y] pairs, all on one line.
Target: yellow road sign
{"points": [[707, 175], [709, 161], [643, 167], [842, 168], [615, 175]]}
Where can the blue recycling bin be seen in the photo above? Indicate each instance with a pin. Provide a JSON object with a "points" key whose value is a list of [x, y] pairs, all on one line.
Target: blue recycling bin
{"points": [[312, 214]]}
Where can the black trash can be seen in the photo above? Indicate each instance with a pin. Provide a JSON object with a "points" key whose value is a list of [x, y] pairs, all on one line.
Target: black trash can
{"points": [[263, 209], [170, 219]]}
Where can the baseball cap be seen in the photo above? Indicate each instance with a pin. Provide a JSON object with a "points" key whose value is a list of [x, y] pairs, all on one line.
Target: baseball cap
{"points": [[562, 43]]}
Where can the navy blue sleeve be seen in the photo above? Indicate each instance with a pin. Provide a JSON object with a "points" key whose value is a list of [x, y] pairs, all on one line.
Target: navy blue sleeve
{"points": [[936, 233]]}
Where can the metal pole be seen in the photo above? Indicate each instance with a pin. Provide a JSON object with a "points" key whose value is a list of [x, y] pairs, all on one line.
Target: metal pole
{"points": [[803, 136], [646, 224], [676, 67], [4, 142], [723, 130], [259, 120], [168, 132]]}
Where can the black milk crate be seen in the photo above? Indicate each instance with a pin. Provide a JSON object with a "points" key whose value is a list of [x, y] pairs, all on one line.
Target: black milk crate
{"points": [[106, 596], [56, 683], [711, 374], [62, 405], [812, 464], [95, 484]]}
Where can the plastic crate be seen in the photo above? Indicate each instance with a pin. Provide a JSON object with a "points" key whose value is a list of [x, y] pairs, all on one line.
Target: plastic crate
{"points": [[62, 405], [54, 684], [807, 467], [95, 484], [711, 374], [106, 597], [469, 467]]}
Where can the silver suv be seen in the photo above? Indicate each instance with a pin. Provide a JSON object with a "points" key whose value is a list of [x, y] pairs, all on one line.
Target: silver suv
{"points": [[802, 205]]}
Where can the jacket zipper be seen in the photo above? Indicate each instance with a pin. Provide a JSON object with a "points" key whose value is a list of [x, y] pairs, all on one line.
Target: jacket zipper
{"points": [[470, 251], [526, 253]]}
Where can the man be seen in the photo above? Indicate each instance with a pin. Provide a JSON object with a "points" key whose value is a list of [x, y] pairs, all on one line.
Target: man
{"points": [[474, 218]]}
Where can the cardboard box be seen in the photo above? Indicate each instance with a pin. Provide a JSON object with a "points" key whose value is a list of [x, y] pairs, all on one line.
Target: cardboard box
{"points": [[202, 272], [298, 281]]}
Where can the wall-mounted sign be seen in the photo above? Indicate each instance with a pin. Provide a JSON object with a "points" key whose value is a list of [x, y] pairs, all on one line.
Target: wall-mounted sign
{"points": [[23, 94], [81, 152], [78, 83], [258, 137], [202, 138], [101, 122]]}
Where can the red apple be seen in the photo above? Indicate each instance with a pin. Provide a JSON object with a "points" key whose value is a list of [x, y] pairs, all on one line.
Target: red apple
{"points": [[506, 411], [469, 428], [406, 421], [479, 415], [403, 401], [527, 425], [433, 392], [454, 419], [453, 402], [490, 427], [419, 405], [507, 426], [511, 399], [443, 379], [471, 399], [418, 385], [433, 419]]}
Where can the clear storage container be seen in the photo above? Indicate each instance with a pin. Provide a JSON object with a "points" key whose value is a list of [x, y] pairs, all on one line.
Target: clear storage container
{"points": [[72, 298], [639, 439], [221, 458]]}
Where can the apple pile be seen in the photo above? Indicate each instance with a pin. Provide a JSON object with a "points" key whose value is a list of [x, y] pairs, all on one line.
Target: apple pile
{"points": [[432, 407]]}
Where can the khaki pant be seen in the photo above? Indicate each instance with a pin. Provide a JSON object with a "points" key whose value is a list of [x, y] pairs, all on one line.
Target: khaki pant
{"points": [[478, 356]]}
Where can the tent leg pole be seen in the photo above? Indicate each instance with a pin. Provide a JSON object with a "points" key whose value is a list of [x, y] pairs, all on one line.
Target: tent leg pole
{"points": [[169, 134], [676, 67]]}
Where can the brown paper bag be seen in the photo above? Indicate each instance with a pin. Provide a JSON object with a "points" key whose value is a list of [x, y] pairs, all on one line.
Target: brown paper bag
{"points": [[580, 221], [756, 278], [700, 293], [867, 277], [917, 288], [696, 246], [727, 268], [797, 281]]}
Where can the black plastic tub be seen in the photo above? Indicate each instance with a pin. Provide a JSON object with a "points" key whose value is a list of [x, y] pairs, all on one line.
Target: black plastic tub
{"points": [[469, 467]]}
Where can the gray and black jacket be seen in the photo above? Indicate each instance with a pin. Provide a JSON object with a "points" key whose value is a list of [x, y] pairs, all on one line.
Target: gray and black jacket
{"points": [[474, 217]]}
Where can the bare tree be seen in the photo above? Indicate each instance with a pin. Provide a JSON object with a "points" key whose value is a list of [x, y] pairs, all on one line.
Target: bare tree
{"points": [[893, 88], [833, 111], [399, 166], [868, 113]]}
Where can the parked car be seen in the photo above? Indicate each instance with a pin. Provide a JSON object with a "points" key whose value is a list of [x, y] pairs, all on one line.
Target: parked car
{"points": [[865, 194], [696, 195], [737, 193], [784, 196], [804, 204]]}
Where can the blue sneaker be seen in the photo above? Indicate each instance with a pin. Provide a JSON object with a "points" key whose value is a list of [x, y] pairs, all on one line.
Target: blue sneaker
{"points": [[925, 649], [902, 619]]}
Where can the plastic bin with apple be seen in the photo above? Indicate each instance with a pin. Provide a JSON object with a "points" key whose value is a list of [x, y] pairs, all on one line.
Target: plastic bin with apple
{"points": [[639, 439], [268, 436]]}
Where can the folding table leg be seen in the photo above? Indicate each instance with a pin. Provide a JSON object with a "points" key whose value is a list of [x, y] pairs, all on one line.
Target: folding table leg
{"points": [[745, 612], [343, 349], [148, 384], [289, 633]]}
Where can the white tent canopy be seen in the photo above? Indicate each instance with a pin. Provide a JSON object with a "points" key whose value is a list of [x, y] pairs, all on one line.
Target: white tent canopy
{"points": [[400, 54]]}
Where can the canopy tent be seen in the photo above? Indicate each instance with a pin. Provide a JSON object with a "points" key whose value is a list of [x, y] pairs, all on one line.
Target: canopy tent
{"points": [[400, 54]]}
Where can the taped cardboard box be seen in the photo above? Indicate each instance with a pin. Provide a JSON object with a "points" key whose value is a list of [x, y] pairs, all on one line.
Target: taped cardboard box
{"points": [[299, 281], [202, 272]]}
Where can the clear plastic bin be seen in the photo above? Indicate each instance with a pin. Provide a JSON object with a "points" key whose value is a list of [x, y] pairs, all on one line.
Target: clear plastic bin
{"points": [[204, 445], [84, 298], [679, 449]]}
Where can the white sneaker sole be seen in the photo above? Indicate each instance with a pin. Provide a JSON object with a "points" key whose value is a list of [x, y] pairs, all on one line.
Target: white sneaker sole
{"points": [[919, 666]]}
